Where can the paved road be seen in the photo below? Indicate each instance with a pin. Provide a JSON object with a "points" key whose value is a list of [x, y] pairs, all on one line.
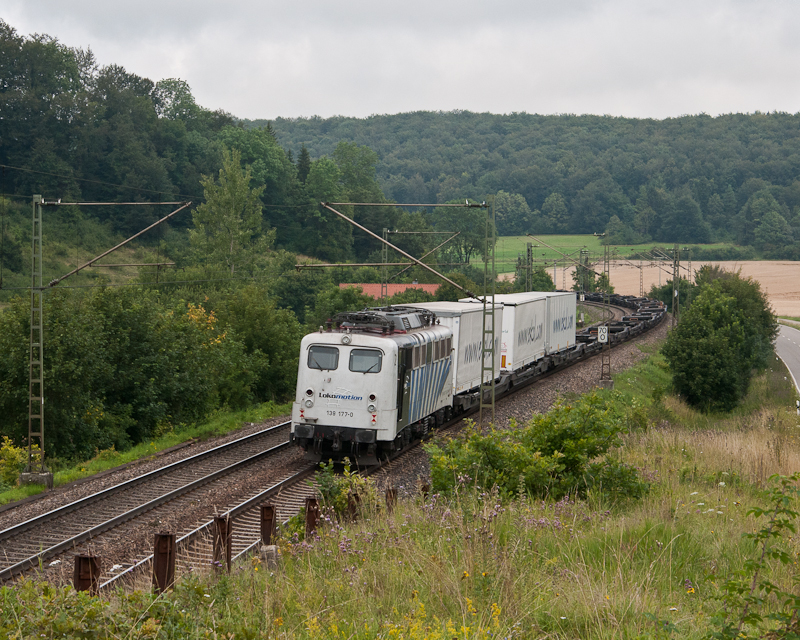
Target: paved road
{"points": [[788, 348]]}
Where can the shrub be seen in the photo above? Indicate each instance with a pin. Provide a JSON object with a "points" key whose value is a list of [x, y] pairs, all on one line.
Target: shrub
{"points": [[11, 460], [556, 454], [336, 490]]}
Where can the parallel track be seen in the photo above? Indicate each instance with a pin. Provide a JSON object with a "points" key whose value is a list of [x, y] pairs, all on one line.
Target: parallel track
{"points": [[30, 543], [195, 545]]}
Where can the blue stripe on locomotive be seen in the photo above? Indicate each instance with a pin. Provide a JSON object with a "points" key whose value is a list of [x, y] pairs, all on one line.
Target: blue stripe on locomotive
{"points": [[426, 385]]}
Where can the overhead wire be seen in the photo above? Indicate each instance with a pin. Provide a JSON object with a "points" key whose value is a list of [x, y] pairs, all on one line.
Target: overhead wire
{"points": [[102, 182], [154, 284]]}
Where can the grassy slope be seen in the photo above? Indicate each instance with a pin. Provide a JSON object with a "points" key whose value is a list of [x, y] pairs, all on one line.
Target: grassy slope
{"points": [[474, 568], [69, 241]]}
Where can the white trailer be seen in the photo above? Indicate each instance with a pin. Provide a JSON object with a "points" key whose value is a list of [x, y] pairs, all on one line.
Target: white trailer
{"points": [[561, 307], [525, 328], [465, 321], [535, 324]]}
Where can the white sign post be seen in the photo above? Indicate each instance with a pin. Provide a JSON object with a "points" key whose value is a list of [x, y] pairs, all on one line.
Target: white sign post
{"points": [[602, 334]]}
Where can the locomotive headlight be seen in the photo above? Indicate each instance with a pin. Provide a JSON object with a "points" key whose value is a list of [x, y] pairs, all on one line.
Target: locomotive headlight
{"points": [[371, 408], [308, 403], [346, 339]]}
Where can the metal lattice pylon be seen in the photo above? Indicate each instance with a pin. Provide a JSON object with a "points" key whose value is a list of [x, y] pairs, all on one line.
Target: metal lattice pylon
{"points": [[36, 350], [487, 392], [641, 280], [384, 268], [529, 267], [676, 275]]}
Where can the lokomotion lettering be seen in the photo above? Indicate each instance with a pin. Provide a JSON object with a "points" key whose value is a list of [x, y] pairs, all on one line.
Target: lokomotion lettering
{"points": [[340, 396]]}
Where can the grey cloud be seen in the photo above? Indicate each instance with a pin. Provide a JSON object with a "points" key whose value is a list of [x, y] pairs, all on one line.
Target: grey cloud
{"points": [[267, 59]]}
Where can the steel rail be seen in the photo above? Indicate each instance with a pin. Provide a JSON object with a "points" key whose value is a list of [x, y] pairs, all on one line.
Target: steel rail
{"points": [[189, 537], [9, 572], [128, 484]]}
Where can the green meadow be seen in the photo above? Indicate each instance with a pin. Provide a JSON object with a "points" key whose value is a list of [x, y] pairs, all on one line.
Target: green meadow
{"points": [[548, 248]]}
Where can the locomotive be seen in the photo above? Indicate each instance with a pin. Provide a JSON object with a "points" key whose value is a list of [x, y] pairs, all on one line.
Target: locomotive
{"points": [[374, 381]]}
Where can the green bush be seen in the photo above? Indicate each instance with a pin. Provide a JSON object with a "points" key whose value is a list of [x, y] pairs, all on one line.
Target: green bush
{"points": [[555, 454], [337, 489], [11, 460]]}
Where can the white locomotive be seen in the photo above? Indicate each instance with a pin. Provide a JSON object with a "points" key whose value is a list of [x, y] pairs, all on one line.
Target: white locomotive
{"points": [[373, 382]]}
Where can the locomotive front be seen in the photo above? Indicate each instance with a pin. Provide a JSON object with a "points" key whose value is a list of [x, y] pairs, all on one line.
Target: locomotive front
{"points": [[352, 382]]}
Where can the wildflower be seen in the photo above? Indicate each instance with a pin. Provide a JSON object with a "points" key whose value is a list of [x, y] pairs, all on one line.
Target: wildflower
{"points": [[690, 590], [673, 608], [694, 493], [464, 575], [721, 484]]}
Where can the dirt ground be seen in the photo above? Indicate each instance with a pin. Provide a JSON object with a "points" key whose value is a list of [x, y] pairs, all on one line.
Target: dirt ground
{"points": [[779, 279]]}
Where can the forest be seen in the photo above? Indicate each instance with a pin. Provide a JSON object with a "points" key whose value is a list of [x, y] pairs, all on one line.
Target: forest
{"points": [[130, 357], [691, 179]]}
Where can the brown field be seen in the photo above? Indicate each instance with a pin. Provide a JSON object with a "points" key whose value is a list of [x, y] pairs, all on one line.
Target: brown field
{"points": [[779, 279]]}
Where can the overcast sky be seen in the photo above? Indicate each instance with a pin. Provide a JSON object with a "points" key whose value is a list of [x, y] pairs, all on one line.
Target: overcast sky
{"points": [[270, 58]]}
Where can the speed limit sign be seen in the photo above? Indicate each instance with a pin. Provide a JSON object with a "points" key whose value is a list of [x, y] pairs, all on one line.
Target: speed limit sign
{"points": [[602, 334]]}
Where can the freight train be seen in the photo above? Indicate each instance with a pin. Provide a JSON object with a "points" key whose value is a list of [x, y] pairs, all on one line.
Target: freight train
{"points": [[372, 382]]}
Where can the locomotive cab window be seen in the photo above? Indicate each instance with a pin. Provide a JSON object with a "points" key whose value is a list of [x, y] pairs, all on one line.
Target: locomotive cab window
{"points": [[365, 360], [324, 358]]}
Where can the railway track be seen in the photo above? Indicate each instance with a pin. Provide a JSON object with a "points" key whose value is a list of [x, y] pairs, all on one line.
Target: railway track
{"points": [[195, 547], [33, 542]]}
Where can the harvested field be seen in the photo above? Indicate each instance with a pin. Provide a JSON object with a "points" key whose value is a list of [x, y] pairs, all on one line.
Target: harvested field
{"points": [[780, 279]]}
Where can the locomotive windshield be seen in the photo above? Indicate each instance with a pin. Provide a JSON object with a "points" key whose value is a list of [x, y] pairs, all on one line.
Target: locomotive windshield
{"points": [[320, 357], [365, 361]]}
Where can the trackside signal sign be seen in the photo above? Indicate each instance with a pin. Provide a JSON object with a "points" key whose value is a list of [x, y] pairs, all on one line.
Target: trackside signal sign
{"points": [[602, 334]]}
